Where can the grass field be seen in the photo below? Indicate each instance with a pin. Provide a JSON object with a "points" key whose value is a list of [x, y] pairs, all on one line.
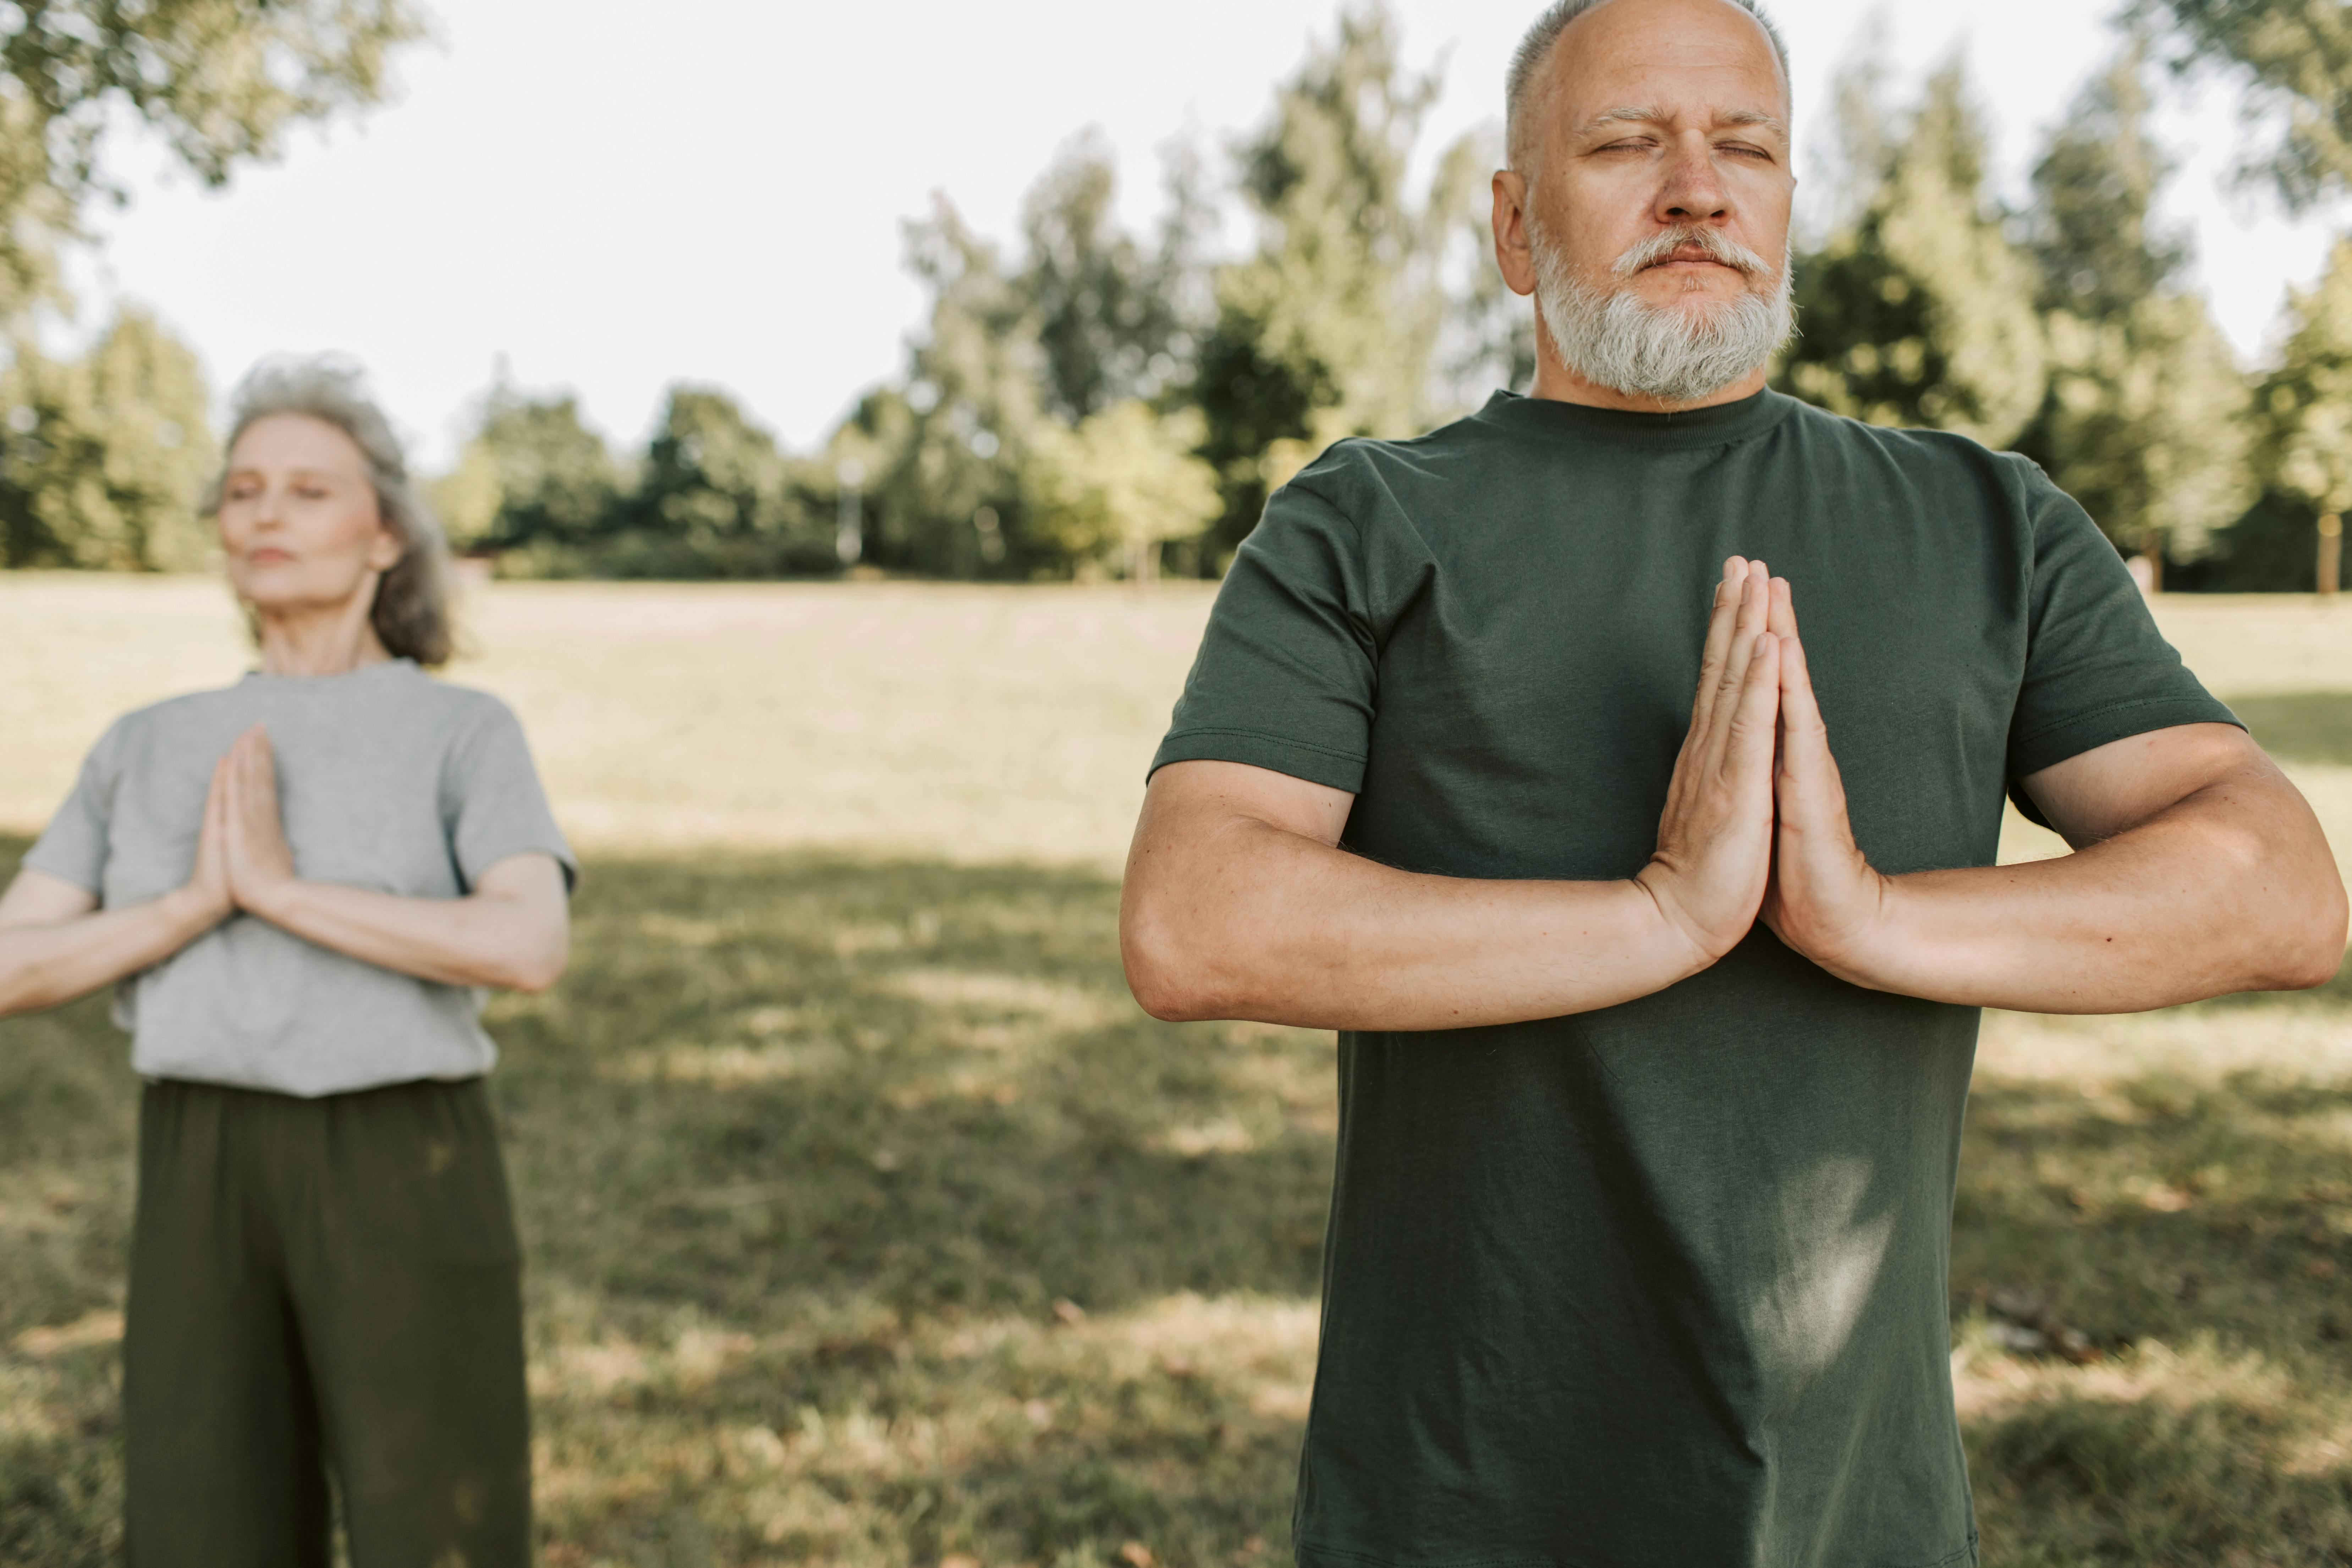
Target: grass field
{"points": [[869, 1222]]}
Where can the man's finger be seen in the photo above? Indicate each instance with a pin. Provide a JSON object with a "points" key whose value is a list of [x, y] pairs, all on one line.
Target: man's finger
{"points": [[1782, 619], [1750, 734], [1736, 662], [1809, 791], [1722, 616]]}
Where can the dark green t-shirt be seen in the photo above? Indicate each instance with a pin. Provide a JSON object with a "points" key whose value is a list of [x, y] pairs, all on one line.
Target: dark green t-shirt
{"points": [[1662, 1284]]}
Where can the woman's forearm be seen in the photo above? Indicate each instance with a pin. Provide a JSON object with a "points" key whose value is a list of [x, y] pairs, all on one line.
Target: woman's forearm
{"points": [[48, 964], [484, 939]]}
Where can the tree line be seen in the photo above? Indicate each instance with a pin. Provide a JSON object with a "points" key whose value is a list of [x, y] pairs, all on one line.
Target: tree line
{"points": [[1087, 400]]}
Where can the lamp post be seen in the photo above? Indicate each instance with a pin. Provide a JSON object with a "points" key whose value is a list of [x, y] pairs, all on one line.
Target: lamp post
{"points": [[849, 527]]}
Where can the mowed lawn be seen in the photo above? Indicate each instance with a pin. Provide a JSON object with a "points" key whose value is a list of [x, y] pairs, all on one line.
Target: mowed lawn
{"points": [[869, 1222]]}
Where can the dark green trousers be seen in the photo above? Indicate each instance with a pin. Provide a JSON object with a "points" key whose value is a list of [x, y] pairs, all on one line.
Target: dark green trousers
{"points": [[324, 1286]]}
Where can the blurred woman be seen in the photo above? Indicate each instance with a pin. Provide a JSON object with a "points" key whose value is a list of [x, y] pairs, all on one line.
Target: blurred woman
{"points": [[300, 884]]}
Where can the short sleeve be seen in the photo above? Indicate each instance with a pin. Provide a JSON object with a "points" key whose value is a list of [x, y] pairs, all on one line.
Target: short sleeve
{"points": [[1285, 679], [2097, 668], [493, 802], [73, 847]]}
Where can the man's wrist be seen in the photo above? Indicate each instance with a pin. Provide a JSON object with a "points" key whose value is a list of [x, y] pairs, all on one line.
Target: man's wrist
{"points": [[1677, 950], [1870, 952]]}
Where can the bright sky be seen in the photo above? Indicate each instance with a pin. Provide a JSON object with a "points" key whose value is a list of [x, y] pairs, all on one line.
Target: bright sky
{"points": [[616, 198]]}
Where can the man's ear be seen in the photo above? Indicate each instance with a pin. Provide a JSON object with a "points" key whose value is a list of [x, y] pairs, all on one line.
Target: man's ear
{"points": [[1514, 254]]}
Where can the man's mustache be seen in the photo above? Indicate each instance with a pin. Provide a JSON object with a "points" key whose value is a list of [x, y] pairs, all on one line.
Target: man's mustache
{"points": [[1718, 246]]}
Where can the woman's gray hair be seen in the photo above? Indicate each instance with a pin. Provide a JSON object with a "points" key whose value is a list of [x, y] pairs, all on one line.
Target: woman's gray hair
{"points": [[411, 613], [1526, 63]]}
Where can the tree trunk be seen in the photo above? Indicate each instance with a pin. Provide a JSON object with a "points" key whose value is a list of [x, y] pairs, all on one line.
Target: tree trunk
{"points": [[2331, 553]]}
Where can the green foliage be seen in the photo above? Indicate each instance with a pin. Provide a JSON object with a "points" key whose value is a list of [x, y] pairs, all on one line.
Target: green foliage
{"points": [[1919, 311], [2143, 418], [1122, 483], [1110, 318], [220, 80], [974, 396], [2144, 423], [2307, 400], [2095, 191], [546, 477], [104, 459], [2294, 58], [1333, 327], [715, 491]]}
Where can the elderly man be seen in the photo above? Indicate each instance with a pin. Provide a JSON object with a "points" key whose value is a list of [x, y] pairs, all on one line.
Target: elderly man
{"points": [[1656, 1015]]}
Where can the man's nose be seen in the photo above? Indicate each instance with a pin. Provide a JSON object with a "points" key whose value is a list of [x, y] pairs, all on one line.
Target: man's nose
{"points": [[1692, 191]]}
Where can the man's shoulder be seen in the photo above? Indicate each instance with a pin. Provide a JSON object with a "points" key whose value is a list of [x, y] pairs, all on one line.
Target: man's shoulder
{"points": [[1917, 449], [1362, 479]]}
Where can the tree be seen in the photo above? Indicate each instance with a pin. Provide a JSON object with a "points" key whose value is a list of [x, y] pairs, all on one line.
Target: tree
{"points": [[1919, 310], [2294, 58], [2306, 403], [109, 455], [1109, 315], [1332, 328], [715, 499], [220, 80], [972, 401], [533, 473], [1122, 483], [2143, 418]]}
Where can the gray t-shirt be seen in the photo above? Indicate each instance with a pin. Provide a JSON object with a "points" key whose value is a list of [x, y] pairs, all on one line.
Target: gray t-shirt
{"points": [[389, 780]]}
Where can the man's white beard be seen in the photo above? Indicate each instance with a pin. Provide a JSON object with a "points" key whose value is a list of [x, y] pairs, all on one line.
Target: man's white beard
{"points": [[1675, 354]]}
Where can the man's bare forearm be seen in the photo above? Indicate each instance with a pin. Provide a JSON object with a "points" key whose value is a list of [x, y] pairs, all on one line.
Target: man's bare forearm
{"points": [[1260, 922], [2232, 889], [52, 962]]}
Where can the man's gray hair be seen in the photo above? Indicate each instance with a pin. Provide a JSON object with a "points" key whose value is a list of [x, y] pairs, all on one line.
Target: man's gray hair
{"points": [[1527, 65], [411, 613]]}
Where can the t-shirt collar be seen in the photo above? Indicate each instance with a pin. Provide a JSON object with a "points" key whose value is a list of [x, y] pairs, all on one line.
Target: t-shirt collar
{"points": [[1719, 425], [385, 669]]}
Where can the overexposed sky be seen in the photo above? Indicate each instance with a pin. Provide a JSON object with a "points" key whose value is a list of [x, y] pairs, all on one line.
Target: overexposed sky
{"points": [[614, 198]]}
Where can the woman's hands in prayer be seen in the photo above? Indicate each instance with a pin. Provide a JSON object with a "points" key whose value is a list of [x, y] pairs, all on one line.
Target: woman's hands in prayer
{"points": [[242, 852], [1714, 860], [510, 930]]}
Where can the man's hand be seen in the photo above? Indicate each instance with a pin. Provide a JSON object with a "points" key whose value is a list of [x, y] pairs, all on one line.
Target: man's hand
{"points": [[259, 865], [1715, 839], [1824, 901], [2199, 871]]}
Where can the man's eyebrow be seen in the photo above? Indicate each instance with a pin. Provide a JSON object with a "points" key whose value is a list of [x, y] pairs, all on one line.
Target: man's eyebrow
{"points": [[1635, 115], [1627, 116], [1752, 117]]}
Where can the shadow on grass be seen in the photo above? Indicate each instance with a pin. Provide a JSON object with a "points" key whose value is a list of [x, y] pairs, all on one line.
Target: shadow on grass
{"points": [[868, 1220], [2195, 1233], [862, 1209], [2301, 727]]}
